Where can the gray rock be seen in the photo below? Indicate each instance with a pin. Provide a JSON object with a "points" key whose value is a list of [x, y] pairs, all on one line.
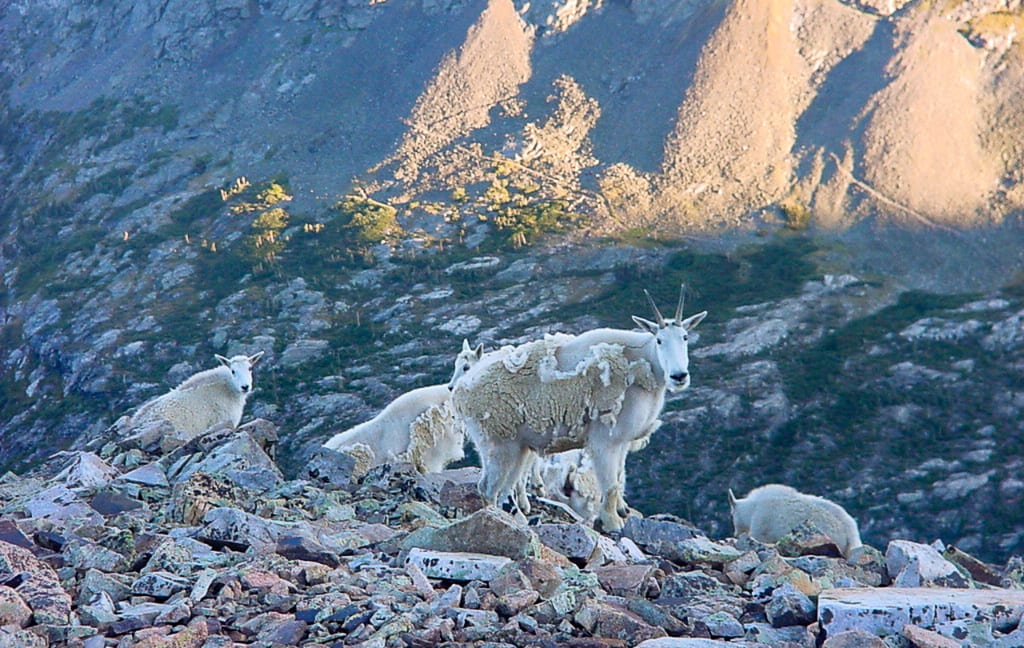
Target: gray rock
{"points": [[108, 503], [916, 565], [86, 470], [303, 351], [487, 531], [691, 585], [789, 606], [330, 469], [304, 547], [787, 637], [238, 530], [723, 624], [659, 534], [95, 582], [241, 453], [59, 505], [574, 541], [151, 474]]}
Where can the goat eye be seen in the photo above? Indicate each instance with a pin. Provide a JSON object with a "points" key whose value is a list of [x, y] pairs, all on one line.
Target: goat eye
{"points": [[465, 368]]}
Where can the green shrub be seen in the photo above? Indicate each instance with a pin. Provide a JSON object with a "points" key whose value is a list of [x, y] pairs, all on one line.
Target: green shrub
{"points": [[369, 220]]}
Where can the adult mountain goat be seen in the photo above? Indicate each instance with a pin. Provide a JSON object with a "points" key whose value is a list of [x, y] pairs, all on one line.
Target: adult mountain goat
{"points": [[212, 397], [601, 390], [417, 427]]}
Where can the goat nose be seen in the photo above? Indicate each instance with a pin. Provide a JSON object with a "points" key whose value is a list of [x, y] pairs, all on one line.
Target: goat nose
{"points": [[679, 377], [244, 388]]}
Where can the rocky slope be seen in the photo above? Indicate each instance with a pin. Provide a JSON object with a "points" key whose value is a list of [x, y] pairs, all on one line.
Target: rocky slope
{"points": [[141, 543]]}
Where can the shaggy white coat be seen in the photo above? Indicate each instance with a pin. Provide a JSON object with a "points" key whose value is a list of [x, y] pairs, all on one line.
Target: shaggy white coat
{"points": [[770, 512], [418, 427], [213, 397]]}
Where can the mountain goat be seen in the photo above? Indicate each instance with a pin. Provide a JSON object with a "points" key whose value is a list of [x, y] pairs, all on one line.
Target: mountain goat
{"points": [[212, 397], [602, 390], [568, 477], [418, 427], [770, 512]]}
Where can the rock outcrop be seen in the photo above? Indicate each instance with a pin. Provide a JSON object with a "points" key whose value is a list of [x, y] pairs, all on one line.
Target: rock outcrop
{"points": [[129, 549]]}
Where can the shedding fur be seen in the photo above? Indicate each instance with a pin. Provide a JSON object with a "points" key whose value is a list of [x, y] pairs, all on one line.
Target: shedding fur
{"points": [[210, 398], [568, 477], [601, 391], [770, 512], [418, 427], [524, 387]]}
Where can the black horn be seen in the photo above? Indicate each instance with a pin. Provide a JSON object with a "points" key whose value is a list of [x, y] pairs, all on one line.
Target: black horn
{"points": [[682, 299], [657, 313]]}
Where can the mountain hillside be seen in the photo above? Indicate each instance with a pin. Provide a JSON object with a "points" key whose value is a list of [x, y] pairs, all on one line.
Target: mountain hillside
{"points": [[354, 188]]}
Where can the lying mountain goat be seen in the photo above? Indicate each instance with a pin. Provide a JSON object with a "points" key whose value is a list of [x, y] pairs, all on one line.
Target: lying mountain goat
{"points": [[568, 477], [211, 397], [418, 427], [770, 512], [601, 390]]}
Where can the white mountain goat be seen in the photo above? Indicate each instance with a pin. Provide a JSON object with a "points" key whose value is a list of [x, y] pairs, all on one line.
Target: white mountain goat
{"points": [[418, 427], [568, 477], [601, 390], [770, 512], [212, 397]]}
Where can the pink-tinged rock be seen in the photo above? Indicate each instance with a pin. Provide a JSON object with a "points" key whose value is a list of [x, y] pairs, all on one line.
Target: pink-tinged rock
{"points": [[265, 582], [922, 638], [606, 620], [193, 636], [40, 589], [625, 580], [13, 609]]}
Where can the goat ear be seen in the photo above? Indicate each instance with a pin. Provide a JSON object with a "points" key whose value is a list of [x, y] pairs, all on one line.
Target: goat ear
{"points": [[253, 359], [221, 359], [647, 325], [692, 321], [479, 350], [732, 500], [465, 345]]}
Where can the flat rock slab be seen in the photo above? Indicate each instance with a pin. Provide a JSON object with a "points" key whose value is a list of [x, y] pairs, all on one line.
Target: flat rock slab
{"points": [[885, 611], [458, 566]]}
